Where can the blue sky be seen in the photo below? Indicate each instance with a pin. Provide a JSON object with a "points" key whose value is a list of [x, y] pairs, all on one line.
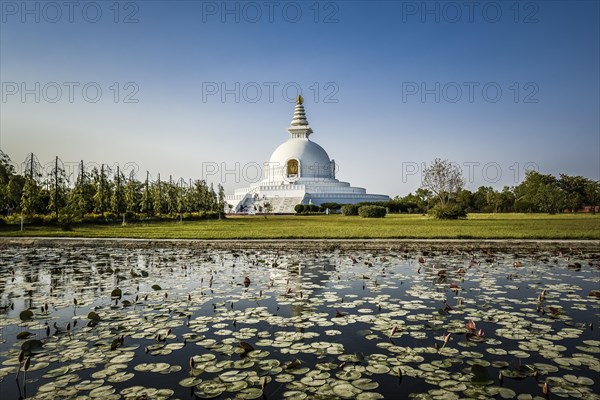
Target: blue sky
{"points": [[363, 68]]}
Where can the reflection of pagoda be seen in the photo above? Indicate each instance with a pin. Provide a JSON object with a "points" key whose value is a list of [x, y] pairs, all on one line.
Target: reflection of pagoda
{"points": [[297, 275], [299, 172]]}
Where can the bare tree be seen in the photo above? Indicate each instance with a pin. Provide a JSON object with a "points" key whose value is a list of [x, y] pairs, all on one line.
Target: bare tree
{"points": [[444, 179]]}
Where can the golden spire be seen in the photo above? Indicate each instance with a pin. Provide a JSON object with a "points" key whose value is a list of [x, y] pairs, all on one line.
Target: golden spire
{"points": [[299, 127]]}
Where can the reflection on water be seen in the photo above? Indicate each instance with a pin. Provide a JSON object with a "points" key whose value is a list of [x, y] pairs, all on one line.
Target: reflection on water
{"points": [[323, 324]]}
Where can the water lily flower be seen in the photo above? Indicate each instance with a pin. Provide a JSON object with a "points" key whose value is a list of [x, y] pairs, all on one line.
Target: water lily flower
{"points": [[246, 281], [517, 264], [447, 339], [421, 260], [470, 325], [480, 333]]}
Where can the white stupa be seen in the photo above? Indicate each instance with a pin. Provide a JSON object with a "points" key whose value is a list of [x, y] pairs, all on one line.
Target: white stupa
{"points": [[299, 172]]}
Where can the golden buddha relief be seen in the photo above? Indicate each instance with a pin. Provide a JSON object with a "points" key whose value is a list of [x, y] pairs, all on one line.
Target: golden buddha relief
{"points": [[292, 167]]}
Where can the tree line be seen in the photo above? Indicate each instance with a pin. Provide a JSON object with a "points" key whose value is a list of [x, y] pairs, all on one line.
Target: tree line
{"points": [[100, 194], [443, 191]]}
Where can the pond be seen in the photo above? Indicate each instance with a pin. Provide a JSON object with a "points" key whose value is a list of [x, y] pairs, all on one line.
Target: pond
{"points": [[123, 323]]}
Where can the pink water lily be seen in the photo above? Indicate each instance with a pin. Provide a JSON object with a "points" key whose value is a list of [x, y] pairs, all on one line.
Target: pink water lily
{"points": [[447, 339], [470, 325]]}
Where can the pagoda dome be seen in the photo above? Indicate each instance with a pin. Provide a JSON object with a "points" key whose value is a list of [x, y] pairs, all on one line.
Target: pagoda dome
{"points": [[299, 158], [314, 163]]}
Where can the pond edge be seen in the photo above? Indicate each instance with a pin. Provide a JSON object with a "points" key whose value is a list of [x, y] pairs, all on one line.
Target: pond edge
{"points": [[504, 245]]}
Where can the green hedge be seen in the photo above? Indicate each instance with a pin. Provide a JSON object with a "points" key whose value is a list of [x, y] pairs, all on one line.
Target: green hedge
{"points": [[350, 209], [448, 211], [372, 211]]}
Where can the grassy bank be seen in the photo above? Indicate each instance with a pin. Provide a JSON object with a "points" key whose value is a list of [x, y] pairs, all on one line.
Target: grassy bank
{"points": [[485, 226]]}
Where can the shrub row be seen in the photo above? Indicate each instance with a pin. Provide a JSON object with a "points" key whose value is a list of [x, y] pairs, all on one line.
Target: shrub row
{"points": [[307, 208], [372, 211], [448, 211], [365, 211]]}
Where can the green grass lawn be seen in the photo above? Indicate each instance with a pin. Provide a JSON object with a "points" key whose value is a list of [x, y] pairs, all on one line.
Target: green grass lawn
{"points": [[485, 226]]}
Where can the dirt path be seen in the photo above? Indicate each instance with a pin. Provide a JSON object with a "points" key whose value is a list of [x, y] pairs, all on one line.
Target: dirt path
{"points": [[505, 245]]}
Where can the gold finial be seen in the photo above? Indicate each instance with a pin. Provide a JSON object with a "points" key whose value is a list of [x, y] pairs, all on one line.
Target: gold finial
{"points": [[299, 99]]}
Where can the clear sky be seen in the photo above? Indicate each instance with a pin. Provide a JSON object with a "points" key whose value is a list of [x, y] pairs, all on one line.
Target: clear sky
{"points": [[193, 88]]}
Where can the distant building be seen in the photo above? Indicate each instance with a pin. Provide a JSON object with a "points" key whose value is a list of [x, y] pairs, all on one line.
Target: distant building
{"points": [[299, 172]]}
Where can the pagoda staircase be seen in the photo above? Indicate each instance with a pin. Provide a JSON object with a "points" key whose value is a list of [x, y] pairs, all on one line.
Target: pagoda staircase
{"points": [[284, 205]]}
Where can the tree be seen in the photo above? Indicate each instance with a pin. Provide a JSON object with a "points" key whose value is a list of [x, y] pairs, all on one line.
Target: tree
{"points": [[550, 198], [81, 197], [31, 195], [132, 194], [464, 198], [171, 196], [267, 209], [443, 179], [221, 199], [539, 193], [7, 171], [146, 205], [102, 196], [418, 202], [158, 200], [180, 199], [592, 194], [506, 199], [6, 168], [14, 192], [117, 201], [483, 199], [574, 188], [212, 199], [58, 188]]}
